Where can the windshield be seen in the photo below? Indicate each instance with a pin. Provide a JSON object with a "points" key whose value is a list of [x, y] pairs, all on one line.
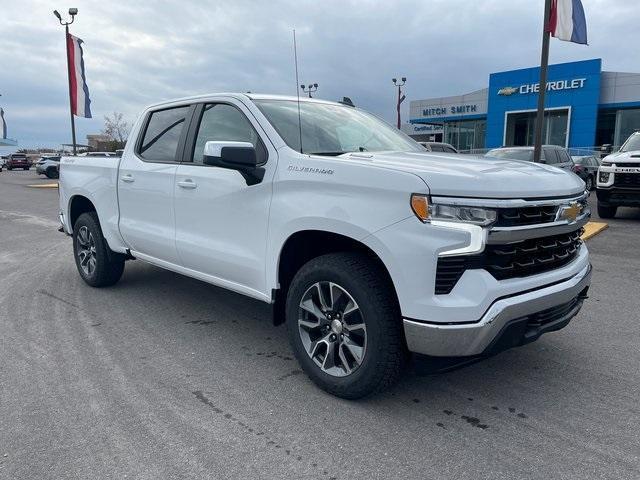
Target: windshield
{"points": [[632, 143], [329, 129], [511, 153]]}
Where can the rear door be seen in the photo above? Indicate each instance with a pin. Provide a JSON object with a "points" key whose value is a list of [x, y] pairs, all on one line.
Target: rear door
{"points": [[221, 222], [146, 182]]}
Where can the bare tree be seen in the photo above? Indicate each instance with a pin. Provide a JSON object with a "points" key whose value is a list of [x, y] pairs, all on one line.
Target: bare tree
{"points": [[116, 128]]}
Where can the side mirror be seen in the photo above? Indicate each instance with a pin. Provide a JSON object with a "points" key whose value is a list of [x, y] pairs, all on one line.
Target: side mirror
{"points": [[240, 156]]}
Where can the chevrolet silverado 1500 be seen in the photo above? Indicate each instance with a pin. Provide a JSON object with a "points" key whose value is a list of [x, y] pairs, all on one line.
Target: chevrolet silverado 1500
{"points": [[367, 246]]}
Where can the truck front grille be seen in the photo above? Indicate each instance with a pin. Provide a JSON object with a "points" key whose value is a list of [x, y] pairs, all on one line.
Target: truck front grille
{"points": [[514, 260], [516, 217], [627, 180]]}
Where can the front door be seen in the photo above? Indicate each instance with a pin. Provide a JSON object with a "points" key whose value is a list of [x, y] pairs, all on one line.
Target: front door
{"points": [[145, 185], [221, 223]]}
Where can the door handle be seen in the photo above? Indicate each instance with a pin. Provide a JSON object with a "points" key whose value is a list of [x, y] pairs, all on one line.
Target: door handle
{"points": [[127, 178], [188, 183]]}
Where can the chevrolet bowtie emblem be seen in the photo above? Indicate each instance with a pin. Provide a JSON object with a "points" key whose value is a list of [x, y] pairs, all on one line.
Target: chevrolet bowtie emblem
{"points": [[570, 213], [507, 91]]}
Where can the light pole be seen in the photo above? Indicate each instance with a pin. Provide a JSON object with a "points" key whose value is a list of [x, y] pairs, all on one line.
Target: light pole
{"points": [[73, 12], [309, 89], [401, 97]]}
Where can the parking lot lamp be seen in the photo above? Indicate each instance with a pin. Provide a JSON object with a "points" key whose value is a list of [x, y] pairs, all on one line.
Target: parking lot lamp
{"points": [[73, 12], [309, 89], [401, 97]]}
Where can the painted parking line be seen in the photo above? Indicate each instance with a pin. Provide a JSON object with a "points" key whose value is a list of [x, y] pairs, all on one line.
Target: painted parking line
{"points": [[593, 228], [44, 185]]}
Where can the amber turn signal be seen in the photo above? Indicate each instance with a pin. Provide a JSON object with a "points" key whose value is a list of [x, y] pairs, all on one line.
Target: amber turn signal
{"points": [[420, 206]]}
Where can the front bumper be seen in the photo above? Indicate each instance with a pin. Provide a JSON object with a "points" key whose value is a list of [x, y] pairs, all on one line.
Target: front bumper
{"points": [[510, 321], [618, 197]]}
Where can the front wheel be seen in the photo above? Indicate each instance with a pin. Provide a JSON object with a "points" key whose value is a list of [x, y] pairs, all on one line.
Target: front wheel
{"points": [[51, 173], [344, 325], [90, 251], [606, 211], [589, 183]]}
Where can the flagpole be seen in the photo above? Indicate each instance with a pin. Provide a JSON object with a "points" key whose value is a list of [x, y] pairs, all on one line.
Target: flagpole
{"points": [[73, 123], [544, 66]]}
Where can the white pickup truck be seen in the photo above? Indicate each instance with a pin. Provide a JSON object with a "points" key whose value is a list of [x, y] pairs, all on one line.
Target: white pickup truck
{"points": [[618, 182], [368, 246]]}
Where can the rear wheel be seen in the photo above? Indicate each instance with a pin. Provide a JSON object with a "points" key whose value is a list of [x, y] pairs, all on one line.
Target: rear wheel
{"points": [[606, 211], [93, 259], [344, 325]]}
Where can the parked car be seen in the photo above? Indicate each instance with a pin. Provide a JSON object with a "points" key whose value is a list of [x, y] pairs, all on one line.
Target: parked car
{"points": [[49, 166], [438, 147], [551, 155], [619, 178], [18, 160], [367, 246], [586, 167]]}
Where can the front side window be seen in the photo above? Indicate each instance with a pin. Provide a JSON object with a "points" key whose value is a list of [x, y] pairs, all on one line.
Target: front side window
{"points": [[330, 129], [161, 137], [225, 123]]}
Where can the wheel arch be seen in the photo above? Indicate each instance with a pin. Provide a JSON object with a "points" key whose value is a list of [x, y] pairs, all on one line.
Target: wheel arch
{"points": [[79, 204], [304, 245]]}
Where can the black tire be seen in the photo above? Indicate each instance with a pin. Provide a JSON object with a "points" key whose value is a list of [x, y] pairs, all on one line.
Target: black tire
{"points": [[105, 271], [51, 173], [589, 183], [9, 168], [26, 168], [385, 354], [606, 211]]}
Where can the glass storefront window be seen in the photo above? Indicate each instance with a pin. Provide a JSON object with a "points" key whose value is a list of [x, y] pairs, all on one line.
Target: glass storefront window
{"points": [[627, 122], [466, 134], [521, 128]]}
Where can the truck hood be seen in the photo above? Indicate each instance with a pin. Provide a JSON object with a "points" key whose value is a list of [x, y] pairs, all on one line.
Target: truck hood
{"points": [[480, 177], [627, 157]]}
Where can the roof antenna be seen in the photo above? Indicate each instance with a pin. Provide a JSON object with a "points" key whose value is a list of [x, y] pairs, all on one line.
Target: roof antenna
{"points": [[295, 56]]}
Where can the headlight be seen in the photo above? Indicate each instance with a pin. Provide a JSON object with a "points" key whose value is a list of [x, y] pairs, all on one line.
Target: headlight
{"points": [[450, 213], [604, 177]]}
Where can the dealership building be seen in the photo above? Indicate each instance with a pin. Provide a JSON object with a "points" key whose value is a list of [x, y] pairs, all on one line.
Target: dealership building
{"points": [[584, 107]]}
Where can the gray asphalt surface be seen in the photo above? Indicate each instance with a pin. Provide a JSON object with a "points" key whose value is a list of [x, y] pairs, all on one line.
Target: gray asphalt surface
{"points": [[163, 376]]}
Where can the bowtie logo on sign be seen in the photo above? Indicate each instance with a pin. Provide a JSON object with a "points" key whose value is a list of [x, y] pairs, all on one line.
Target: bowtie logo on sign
{"points": [[554, 86]]}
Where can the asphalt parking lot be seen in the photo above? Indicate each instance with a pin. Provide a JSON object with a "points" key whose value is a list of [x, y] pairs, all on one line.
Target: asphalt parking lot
{"points": [[162, 376]]}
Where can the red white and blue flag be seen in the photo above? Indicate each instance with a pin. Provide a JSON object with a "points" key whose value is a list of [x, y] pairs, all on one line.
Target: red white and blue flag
{"points": [[567, 21], [80, 102]]}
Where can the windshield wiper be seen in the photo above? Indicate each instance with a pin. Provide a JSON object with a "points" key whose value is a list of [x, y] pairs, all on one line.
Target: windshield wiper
{"points": [[335, 154]]}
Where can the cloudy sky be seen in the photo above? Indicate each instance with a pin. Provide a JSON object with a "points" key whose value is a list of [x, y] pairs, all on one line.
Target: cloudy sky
{"points": [[141, 52]]}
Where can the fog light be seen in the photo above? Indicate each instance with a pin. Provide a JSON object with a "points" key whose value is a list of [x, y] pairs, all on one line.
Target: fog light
{"points": [[604, 177]]}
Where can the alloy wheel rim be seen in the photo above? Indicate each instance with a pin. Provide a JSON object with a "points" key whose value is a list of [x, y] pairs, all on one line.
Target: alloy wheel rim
{"points": [[86, 251], [332, 329]]}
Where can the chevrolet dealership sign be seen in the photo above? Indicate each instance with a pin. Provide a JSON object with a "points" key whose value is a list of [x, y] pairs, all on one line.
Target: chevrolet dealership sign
{"points": [[555, 86]]}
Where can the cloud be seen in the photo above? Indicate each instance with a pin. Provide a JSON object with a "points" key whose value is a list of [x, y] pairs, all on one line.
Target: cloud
{"points": [[138, 53]]}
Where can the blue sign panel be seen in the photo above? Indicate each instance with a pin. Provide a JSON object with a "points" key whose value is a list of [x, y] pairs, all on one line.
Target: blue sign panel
{"points": [[575, 86]]}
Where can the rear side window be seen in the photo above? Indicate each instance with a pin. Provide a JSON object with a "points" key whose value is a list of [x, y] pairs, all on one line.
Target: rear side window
{"points": [[162, 135], [436, 148], [551, 156], [449, 150]]}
